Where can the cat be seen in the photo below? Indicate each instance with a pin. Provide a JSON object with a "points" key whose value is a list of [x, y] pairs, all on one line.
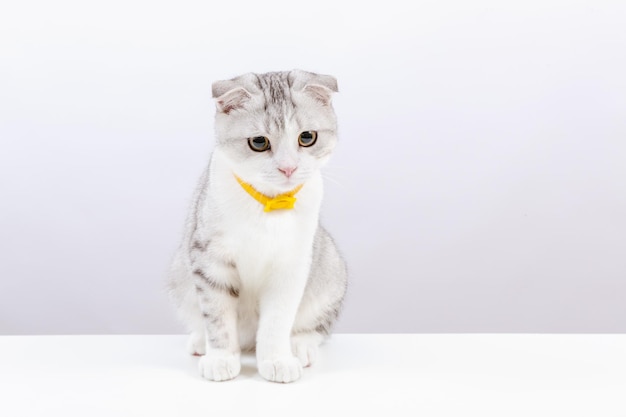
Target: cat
{"points": [[255, 270]]}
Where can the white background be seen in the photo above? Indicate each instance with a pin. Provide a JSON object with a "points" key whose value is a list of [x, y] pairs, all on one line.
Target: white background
{"points": [[479, 186]]}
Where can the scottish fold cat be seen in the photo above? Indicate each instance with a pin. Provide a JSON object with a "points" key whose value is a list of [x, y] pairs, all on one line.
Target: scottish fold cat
{"points": [[255, 270]]}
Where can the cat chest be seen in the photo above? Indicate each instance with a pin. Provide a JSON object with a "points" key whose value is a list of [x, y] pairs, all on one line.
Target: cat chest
{"points": [[262, 246]]}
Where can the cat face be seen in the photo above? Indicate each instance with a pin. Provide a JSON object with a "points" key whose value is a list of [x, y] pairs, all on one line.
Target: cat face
{"points": [[277, 129]]}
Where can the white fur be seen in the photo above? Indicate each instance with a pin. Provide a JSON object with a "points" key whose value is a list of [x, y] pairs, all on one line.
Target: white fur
{"points": [[282, 295]]}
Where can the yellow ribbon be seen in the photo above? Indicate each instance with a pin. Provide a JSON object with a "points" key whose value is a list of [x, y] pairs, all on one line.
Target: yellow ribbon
{"points": [[280, 202]]}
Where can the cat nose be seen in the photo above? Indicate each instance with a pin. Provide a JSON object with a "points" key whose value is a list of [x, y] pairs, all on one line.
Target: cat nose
{"points": [[287, 171]]}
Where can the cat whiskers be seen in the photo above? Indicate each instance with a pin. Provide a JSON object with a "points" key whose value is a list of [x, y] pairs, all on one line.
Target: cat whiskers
{"points": [[332, 177]]}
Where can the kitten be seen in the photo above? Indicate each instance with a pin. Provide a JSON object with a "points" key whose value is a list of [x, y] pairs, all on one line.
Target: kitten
{"points": [[255, 269]]}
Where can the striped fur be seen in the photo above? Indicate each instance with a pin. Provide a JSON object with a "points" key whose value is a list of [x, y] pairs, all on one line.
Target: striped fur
{"points": [[246, 279]]}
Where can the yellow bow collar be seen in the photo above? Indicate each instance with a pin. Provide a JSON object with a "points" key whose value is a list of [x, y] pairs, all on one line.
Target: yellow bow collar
{"points": [[280, 202]]}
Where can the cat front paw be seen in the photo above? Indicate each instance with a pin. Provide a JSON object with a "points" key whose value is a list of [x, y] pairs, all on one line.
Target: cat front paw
{"points": [[284, 369], [219, 365], [196, 344], [305, 347]]}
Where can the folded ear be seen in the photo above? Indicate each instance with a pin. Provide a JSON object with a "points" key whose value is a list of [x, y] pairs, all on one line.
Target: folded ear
{"points": [[319, 92], [318, 86], [229, 97]]}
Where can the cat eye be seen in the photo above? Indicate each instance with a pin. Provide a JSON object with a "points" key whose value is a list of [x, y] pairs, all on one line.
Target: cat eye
{"points": [[259, 143], [307, 138]]}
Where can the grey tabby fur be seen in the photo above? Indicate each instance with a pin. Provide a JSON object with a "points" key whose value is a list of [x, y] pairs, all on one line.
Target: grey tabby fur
{"points": [[243, 278]]}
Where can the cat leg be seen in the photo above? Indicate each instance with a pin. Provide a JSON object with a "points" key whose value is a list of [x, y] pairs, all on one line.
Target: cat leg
{"points": [[321, 301], [278, 305], [316, 316], [181, 290], [218, 305], [311, 329]]}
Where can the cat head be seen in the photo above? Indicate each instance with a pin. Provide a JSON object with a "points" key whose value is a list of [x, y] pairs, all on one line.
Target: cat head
{"points": [[277, 129]]}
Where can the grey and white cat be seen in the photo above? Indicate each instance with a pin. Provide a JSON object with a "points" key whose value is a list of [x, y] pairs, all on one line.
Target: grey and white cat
{"points": [[255, 270]]}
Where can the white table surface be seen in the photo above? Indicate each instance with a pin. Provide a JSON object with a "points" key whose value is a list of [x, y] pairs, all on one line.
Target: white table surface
{"points": [[425, 375]]}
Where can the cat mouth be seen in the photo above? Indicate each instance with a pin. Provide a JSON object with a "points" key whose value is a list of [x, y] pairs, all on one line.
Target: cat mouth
{"points": [[291, 183], [283, 181]]}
